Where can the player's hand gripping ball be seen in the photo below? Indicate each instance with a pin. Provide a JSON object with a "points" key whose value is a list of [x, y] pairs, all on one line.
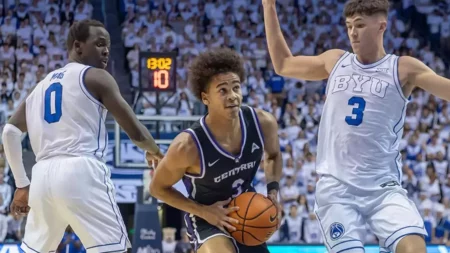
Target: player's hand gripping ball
{"points": [[257, 216]]}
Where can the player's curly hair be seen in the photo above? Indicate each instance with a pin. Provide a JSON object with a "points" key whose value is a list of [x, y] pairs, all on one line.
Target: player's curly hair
{"points": [[80, 31], [366, 7], [211, 63]]}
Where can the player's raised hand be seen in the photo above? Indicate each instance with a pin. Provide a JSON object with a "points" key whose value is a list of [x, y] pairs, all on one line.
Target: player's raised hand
{"points": [[153, 159], [19, 205], [217, 215]]}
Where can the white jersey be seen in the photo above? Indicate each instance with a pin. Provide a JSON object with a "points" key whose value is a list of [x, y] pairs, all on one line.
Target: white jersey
{"points": [[362, 123], [63, 118]]}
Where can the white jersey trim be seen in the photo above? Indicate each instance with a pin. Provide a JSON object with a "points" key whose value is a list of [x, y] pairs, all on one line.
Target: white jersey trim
{"points": [[85, 90], [258, 126], [396, 76], [372, 65], [200, 153], [100, 123]]}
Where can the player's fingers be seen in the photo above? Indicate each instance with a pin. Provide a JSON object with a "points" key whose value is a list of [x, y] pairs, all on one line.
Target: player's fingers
{"points": [[228, 226], [231, 220], [25, 209], [232, 209]]}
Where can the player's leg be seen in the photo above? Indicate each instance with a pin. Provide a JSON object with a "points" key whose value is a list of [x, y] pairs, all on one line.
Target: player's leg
{"points": [[45, 227], [217, 242], [206, 238], [343, 227], [90, 206], [394, 219]]}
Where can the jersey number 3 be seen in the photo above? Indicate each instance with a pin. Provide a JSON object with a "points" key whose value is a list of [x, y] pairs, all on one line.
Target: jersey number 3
{"points": [[53, 103], [358, 112]]}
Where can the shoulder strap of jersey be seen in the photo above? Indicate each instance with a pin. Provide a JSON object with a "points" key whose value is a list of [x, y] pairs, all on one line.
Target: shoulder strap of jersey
{"points": [[252, 121]]}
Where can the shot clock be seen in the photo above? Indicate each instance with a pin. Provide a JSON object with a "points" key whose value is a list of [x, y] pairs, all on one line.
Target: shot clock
{"points": [[158, 71]]}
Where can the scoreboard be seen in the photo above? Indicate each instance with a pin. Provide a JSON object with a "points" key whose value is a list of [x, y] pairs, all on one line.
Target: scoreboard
{"points": [[158, 71]]}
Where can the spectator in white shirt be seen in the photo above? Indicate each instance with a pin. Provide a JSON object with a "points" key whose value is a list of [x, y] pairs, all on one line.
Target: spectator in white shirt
{"points": [[15, 227], [8, 28], [5, 194], [441, 166], [431, 185], [289, 193], [434, 147], [446, 189], [6, 52], [185, 107], [312, 232], [3, 227], [295, 224]]}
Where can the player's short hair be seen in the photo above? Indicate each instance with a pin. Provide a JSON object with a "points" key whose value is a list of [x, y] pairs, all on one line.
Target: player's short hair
{"points": [[211, 63], [80, 31], [366, 7]]}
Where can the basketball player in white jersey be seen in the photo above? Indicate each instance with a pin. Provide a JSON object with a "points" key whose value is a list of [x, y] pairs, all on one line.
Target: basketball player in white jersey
{"points": [[65, 119], [358, 157]]}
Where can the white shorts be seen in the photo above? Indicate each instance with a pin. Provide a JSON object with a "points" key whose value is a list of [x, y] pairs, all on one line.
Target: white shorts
{"points": [[75, 191], [343, 212]]}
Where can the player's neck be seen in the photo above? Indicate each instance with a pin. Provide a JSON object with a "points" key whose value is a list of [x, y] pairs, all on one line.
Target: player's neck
{"points": [[222, 126], [371, 57]]}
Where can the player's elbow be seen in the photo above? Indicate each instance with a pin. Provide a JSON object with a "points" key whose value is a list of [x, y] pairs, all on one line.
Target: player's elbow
{"points": [[279, 67], [156, 189]]}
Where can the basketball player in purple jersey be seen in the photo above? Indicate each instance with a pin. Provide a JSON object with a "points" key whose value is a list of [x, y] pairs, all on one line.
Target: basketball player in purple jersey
{"points": [[218, 156]]}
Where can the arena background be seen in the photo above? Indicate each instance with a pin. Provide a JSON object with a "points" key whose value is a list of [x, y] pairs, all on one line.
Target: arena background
{"points": [[152, 43]]}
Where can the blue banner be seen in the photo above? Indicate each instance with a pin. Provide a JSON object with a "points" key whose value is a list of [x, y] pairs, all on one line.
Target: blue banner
{"points": [[147, 231]]}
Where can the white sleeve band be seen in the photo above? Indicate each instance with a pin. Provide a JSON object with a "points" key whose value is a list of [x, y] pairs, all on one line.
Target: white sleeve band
{"points": [[12, 144]]}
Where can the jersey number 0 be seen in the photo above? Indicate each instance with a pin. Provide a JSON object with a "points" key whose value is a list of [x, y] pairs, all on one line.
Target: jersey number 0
{"points": [[53, 103]]}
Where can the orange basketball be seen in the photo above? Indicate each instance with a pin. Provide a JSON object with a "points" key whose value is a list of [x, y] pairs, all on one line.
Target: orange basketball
{"points": [[257, 216]]}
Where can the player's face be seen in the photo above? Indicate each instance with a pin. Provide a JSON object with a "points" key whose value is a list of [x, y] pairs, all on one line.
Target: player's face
{"points": [[365, 32], [224, 95], [95, 51]]}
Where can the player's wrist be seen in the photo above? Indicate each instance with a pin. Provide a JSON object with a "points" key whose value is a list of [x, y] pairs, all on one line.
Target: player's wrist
{"points": [[273, 187], [154, 151], [24, 187]]}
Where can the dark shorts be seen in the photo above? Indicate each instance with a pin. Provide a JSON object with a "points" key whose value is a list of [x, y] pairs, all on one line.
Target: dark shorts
{"points": [[199, 231]]}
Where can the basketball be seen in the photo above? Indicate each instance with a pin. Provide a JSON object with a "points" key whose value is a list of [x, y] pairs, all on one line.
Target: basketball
{"points": [[257, 216]]}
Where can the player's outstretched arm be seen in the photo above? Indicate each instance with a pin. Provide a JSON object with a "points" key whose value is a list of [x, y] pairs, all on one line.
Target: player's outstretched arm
{"points": [[103, 86], [285, 64], [181, 158], [272, 157], [420, 75]]}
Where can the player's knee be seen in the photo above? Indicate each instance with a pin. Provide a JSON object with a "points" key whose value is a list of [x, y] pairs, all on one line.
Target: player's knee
{"points": [[219, 242], [411, 244]]}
